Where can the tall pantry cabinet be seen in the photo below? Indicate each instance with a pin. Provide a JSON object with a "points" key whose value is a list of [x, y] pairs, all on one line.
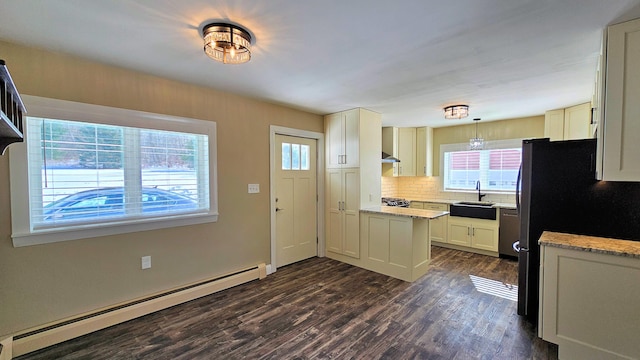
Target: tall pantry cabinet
{"points": [[353, 176], [619, 131]]}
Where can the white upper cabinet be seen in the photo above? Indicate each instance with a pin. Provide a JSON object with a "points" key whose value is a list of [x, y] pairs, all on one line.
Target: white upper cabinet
{"points": [[334, 132], [352, 140], [619, 131], [401, 143], [554, 124], [405, 150], [577, 122], [342, 141], [424, 151], [568, 124]]}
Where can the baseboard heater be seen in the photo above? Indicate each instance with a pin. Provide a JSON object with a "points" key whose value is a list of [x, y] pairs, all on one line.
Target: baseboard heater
{"points": [[39, 338]]}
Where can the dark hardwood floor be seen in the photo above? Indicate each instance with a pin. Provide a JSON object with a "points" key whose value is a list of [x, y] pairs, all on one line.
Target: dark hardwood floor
{"points": [[325, 309]]}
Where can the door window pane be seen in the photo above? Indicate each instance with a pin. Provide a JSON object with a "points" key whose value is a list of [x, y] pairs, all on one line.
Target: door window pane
{"points": [[295, 156], [286, 156], [304, 157]]}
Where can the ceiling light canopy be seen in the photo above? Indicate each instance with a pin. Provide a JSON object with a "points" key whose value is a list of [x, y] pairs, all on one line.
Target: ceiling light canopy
{"points": [[227, 43], [456, 111]]}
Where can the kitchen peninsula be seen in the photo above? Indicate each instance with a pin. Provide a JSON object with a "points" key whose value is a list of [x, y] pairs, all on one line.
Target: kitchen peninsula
{"points": [[394, 241]]}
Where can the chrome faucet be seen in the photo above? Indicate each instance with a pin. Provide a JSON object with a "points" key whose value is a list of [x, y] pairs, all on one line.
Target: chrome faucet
{"points": [[480, 196]]}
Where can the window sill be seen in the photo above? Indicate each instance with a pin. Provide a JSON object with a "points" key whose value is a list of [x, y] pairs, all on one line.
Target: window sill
{"points": [[89, 231]]}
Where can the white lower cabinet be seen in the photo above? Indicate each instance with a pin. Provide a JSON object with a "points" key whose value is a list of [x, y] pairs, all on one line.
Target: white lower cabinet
{"points": [[437, 226], [589, 303], [343, 211], [478, 234]]}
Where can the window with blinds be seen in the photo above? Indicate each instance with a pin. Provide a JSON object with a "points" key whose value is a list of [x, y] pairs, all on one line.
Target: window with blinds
{"points": [[84, 172], [496, 169], [95, 171]]}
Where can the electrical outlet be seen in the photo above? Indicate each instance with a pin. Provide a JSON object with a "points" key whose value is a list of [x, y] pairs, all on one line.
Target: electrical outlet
{"points": [[146, 262], [254, 188]]}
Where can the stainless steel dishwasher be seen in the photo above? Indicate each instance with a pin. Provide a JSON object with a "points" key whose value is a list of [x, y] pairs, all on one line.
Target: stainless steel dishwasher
{"points": [[509, 232]]}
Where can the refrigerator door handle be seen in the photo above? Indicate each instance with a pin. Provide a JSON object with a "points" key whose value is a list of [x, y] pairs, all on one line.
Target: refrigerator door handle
{"points": [[518, 184], [517, 248]]}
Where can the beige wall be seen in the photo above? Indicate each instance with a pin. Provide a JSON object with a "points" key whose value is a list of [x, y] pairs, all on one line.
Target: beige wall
{"points": [[43, 283], [530, 127]]}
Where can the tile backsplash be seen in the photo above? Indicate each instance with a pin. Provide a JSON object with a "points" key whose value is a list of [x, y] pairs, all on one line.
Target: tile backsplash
{"points": [[420, 187]]}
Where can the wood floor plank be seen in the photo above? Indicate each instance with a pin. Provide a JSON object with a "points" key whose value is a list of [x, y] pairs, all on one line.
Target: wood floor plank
{"points": [[323, 309]]}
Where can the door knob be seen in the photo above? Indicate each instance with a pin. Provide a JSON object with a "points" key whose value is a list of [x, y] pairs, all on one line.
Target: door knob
{"points": [[278, 209]]}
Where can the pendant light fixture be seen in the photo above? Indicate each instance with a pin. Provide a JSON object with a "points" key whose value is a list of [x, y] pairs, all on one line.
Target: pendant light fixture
{"points": [[476, 143], [456, 111], [227, 43]]}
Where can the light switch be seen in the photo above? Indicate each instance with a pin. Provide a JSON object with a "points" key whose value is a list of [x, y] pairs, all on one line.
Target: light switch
{"points": [[146, 262], [254, 188]]}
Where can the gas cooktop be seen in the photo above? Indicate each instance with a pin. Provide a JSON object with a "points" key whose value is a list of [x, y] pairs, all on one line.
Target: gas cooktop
{"points": [[395, 202]]}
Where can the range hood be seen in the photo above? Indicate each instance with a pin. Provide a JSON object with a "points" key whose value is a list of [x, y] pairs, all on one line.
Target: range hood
{"points": [[386, 158]]}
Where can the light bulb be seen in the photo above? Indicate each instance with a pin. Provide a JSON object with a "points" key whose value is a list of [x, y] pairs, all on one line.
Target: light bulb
{"points": [[233, 51]]}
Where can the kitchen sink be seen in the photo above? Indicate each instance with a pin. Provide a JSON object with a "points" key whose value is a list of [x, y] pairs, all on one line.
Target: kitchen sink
{"points": [[473, 209], [476, 203]]}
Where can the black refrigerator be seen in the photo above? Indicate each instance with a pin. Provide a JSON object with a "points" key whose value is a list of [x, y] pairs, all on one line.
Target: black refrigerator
{"points": [[558, 191]]}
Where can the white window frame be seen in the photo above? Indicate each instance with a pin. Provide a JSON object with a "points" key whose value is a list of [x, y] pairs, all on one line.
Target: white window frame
{"points": [[23, 233], [488, 145]]}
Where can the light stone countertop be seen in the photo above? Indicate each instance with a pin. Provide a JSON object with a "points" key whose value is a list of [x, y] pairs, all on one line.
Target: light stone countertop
{"points": [[439, 201], [626, 248], [405, 212], [449, 202]]}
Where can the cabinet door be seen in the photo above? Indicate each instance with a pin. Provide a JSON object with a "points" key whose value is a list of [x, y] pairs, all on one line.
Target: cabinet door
{"points": [[406, 151], [351, 211], [335, 217], [334, 130], [424, 153], [459, 233], [554, 125], [485, 238], [439, 229], [577, 122], [619, 153], [351, 138], [438, 225]]}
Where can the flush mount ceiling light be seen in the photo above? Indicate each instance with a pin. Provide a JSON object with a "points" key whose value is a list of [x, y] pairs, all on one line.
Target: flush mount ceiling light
{"points": [[227, 43], [456, 111], [476, 143]]}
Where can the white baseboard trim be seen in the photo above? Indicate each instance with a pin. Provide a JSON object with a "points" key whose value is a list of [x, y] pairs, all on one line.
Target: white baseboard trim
{"points": [[35, 339], [270, 269], [465, 248], [6, 348]]}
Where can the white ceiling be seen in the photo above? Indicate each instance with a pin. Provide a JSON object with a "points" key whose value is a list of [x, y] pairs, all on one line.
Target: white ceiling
{"points": [[405, 59]]}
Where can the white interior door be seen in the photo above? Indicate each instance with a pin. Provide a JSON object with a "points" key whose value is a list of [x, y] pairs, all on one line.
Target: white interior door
{"points": [[296, 196]]}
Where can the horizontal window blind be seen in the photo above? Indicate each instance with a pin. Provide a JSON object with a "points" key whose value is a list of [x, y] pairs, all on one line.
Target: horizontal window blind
{"points": [[90, 173], [496, 169]]}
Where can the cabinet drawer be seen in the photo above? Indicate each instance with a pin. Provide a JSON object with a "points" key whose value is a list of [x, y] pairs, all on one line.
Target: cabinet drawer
{"points": [[416, 205], [436, 206]]}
